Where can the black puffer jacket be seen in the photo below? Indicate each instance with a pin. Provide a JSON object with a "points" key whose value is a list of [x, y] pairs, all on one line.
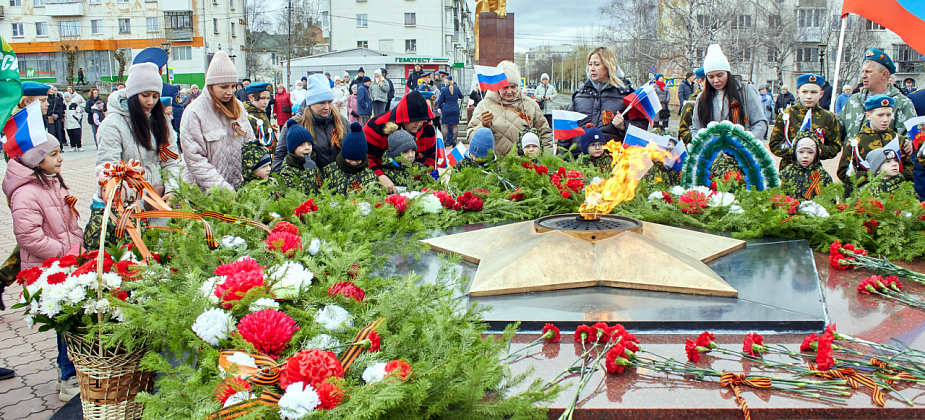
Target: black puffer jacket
{"points": [[591, 102], [323, 152]]}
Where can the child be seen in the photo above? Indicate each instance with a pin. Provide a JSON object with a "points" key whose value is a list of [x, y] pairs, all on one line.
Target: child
{"points": [[167, 102], [659, 173], [530, 143], [805, 174], [299, 171], [481, 150], [885, 164], [255, 162], [399, 162], [44, 222], [73, 116], [350, 171], [874, 134], [96, 117], [258, 98], [592, 149], [823, 123]]}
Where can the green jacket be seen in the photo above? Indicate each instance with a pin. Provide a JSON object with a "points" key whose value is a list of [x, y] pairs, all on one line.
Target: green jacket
{"points": [[724, 164], [868, 139], [601, 162], [852, 116], [263, 131], [343, 179], [415, 177], [661, 174], [293, 174], [467, 162], [823, 122], [885, 187], [803, 178]]}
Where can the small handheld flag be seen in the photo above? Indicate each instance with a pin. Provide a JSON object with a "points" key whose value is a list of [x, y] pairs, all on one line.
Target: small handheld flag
{"points": [[457, 154], [24, 131], [637, 137], [677, 156], [807, 121], [565, 124], [916, 128], [897, 147], [642, 103], [440, 159], [490, 78]]}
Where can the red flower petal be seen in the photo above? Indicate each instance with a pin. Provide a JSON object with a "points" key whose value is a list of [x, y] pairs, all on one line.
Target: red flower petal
{"points": [[268, 330], [310, 366]]}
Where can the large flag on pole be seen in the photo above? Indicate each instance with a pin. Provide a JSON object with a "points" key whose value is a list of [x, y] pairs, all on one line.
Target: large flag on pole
{"points": [[490, 78], [916, 128], [904, 17], [10, 86]]}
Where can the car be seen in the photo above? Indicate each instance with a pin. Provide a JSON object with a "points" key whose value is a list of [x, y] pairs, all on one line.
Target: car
{"points": [[395, 102], [529, 92]]}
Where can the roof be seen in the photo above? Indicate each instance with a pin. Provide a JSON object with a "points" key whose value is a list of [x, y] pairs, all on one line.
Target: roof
{"points": [[269, 42], [353, 52]]}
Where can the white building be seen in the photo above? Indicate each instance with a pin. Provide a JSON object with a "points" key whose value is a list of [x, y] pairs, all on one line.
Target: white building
{"points": [[191, 30]]}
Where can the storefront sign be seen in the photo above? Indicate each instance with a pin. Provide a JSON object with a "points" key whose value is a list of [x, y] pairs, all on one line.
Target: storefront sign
{"points": [[422, 60]]}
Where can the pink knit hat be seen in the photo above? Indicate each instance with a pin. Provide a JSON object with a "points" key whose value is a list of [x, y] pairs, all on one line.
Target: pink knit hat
{"points": [[221, 70], [34, 156]]}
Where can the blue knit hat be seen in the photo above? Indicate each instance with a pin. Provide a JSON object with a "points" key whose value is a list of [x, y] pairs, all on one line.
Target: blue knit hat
{"points": [[657, 75], [354, 146], [366, 79], [481, 143], [591, 135], [319, 90], [700, 74], [878, 101], [297, 135], [30, 88], [810, 78]]}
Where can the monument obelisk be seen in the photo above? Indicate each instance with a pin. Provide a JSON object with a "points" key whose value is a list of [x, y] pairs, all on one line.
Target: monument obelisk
{"points": [[494, 33]]}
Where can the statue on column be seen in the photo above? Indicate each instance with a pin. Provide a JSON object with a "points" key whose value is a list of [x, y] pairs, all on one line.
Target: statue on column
{"points": [[497, 6]]}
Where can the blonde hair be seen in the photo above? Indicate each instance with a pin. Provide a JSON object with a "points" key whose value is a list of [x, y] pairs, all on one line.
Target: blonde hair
{"points": [[609, 59], [307, 121], [450, 84], [231, 109], [26, 100]]}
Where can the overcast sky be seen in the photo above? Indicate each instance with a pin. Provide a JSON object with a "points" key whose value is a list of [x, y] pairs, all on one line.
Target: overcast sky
{"points": [[547, 22]]}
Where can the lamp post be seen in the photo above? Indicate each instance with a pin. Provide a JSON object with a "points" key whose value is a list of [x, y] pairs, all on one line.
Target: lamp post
{"points": [[166, 46], [822, 47]]}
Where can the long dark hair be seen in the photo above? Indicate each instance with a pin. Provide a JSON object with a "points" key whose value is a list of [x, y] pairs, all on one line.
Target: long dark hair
{"points": [[143, 127], [43, 179], [705, 103]]}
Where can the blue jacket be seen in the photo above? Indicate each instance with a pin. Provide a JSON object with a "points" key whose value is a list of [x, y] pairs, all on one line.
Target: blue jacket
{"points": [[840, 102], [364, 101]]}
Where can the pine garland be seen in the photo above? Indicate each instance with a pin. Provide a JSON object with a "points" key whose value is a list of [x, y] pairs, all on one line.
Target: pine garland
{"points": [[724, 137]]}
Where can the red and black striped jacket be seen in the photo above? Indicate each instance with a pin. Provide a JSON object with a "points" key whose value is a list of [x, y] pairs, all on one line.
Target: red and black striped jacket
{"points": [[411, 108]]}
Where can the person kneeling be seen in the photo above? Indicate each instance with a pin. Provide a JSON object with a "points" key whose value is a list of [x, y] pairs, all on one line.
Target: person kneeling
{"points": [[884, 164], [350, 171], [805, 173], [399, 164], [481, 150], [299, 171]]}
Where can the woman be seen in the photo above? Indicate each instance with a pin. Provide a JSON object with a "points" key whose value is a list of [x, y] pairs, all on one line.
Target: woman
{"points": [[54, 117], [76, 98], [603, 91], [214, 129], [662, 92], [318, 116], [340, 98], [448, 103], [136, 128], [282, 106], [724, 99], [413, 115], [352, 115]]}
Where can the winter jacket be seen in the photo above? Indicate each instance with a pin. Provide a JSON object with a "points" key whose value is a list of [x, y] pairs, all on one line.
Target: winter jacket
{"points": [[449, 105], [43, 223], [590, 101], [685, 89], [768, 107], [756, 123], [783, 100], [545, 90], [55, 107], [391, 94], [177, 114], [358, 81], [295, 175], [415, 177], [840, 102], [79, 100], [100, 116], [340, 100], [282, 100], [823, 124], [89, 105], [826, 100], [601, 162], [211, 148], [661, 90], [377, 136], [116, 143], [853, 116], [378, 91], [412, 82], [364, 101], [886, 186], [869, 139], [241, 95], [687, 115], [341, 179], [324, 151], [296, 97], [188, 99], [73, 117], [260, 125], [352, 108], [510, 117], [804, 180]]}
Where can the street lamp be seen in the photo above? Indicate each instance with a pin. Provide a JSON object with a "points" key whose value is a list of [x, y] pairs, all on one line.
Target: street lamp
{"points": [[822, 47]]}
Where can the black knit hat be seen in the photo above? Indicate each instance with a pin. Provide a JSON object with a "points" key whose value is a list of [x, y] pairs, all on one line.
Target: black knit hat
{"points": [[411, 108]]}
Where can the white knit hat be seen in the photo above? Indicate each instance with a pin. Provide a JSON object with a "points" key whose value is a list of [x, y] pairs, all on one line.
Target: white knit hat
{"points": [[544, 76], [143, 77], [529, 139], [715, 60], [511, 72], [221, 70]]}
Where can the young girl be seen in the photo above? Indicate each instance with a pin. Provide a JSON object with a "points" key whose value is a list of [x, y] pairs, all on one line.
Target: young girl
{"points": [[806, 174], [73, 116], [44, 223], [352, 106]]}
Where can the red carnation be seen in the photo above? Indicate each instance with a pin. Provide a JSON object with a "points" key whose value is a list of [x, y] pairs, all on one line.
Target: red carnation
{"points": [[450, 203], [617, 359], [242, 265], [90, 267], [630, 342], [690, 347], [49, 262], [353, 271], [527, 165], [284, 226], [550, 333], [824, 360], [400, 368], [268, 330], [67, 261], [330, 395], [842, 206], [284, 242], [124, 269], [517, 195], [56, 278], [575, 184], [603, 332], [871, 225], [375, 342], [839, 260], [229, 386], [667, 197], [706, 339], [892, 282], [92, 256], [310, 366], [399, 202], [542, 170], [870, 285], [693, 202], [566, 194], [573, 174], [808, 342], [236, 287], [786, 202], [754, 345], [307, 207], [347, 289], [585, 334], [27, 277]]}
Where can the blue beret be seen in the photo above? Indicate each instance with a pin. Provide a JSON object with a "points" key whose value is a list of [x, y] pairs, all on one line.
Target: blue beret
{"points": [[810, 78], [259, 87], [427, 94], [166, 100], [881, 57], [878, 101], [700, 73], [34, 89], [152, 55]]}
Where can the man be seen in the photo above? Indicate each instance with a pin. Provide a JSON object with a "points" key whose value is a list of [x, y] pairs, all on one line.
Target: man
{"points": [[784, 99], [875, 75], [80, 76], [766, 101], [391, 95], [685, 89], [157, 56], [826, 101], [790, 121], [413, 76], [364, 101], [358, 81], [908, 86], [241, 94], [328, 75], [258, 99], [54, 117], [842, 99], [544, 94], [194, 93], [119, 86], [425, 82]]}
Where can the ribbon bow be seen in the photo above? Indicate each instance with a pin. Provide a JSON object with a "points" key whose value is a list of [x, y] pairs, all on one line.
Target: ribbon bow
{"points": [[898, 375], [71, 201], [166, 154], [238, 131], [814, 188], [734, 380], [854, 380], [265, 374], [354, 350]]}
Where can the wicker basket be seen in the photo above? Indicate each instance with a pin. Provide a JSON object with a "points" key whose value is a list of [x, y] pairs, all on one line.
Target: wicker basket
{"points": [[109, 379]]}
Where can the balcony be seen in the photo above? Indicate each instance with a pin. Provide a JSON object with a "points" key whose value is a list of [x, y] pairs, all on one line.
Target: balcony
{"points": [[178, 5], [910, 67], [64, 9], [182, 34]]}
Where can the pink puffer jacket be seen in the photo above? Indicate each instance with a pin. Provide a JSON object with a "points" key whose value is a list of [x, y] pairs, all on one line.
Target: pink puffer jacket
{"points": [[43, 223], [211, 150]]}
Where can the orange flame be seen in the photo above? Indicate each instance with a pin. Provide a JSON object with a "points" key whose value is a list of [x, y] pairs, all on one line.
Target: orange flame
{"points": [[629, 166]]}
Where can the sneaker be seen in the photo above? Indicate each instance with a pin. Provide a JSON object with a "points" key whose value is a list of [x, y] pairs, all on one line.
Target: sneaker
{"points": [[69, 389], [6, 373], [80, 149], [73, 149]]}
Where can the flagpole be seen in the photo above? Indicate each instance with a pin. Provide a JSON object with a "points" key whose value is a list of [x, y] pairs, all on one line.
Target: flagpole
{"points": [[841, 44]]}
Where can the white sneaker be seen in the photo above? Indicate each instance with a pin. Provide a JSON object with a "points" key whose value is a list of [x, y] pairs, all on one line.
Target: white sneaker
{"points": [[69, 389], [73, 149], [80, 149]]}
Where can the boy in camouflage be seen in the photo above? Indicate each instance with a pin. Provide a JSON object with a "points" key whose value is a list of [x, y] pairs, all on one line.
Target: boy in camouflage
{"points": [[399, 165], [884, 163], [875, 134], [350, 170], [299, 171], [792, 119], [805, 174]]}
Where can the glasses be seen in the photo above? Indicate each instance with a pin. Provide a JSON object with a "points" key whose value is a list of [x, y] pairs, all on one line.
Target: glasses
{"points": [[597, 145]]}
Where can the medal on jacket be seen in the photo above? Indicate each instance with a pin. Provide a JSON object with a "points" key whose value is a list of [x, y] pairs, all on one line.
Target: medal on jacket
{"points": [[786, 117], [265, 140]]}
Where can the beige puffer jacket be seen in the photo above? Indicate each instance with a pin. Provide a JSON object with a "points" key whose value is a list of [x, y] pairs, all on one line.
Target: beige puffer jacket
{"points": [[211, 150], [116, 143], [508, 121]]}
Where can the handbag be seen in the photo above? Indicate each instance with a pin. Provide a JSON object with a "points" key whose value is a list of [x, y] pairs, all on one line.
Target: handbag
{"points": [[287, 109]]}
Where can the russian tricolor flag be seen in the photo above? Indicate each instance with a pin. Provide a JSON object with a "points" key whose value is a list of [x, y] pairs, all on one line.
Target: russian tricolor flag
{"points": [[676, 157], [490, 78], [897, 148], [565, 124], [637, 137], [457, 154], [916, 128], [807, 121], [642, 103], [24, 131]]}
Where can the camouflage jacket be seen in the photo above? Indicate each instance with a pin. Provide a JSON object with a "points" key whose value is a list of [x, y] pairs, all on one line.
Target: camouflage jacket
{"points": [[806, 182], [467, 162], [868, 139], [724, 164], [823, 124], [887, 186], [853, 118], [343, 182], [294, 175], [687, 115], [263, 131], [661, 174], [602, 162], [415, 177]]}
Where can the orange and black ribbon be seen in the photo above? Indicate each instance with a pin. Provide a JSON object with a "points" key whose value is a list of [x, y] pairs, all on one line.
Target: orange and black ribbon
{"points": [[814, 188], [71, 202], [238, 131], [897, 375], [855, 380], [355, 350], [210, 235], [166, 154], [233, 411], [335, 137], [734, 380], [235, 219], [265, 374]]}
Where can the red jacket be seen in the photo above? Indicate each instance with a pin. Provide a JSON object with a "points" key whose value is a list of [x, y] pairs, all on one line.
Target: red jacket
{"points": [[281, 100], [426, 138]]}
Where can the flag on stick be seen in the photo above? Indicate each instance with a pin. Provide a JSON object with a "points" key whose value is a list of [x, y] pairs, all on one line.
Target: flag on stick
{"points": [[490, 78]]}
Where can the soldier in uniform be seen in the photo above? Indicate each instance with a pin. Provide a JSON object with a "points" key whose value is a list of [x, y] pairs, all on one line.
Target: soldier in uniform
{"points": [[350, 170], [687, 110], [258, 97], [805, 172], [805, 115], [876, 133]]}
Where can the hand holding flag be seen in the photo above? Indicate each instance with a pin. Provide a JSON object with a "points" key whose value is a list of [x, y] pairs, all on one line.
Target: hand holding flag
{"points": [[642, 103], [24, 131]]}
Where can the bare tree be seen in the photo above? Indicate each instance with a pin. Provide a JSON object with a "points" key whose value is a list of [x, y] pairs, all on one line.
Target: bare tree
{"points": [[122, 57], [305, 27], [633, 25], [258, 21], [69, 39], [857, 39]]}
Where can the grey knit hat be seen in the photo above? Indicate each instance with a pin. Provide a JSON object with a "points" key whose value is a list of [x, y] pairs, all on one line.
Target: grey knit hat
{"points": [[143, 77], [34, 156], [221, 70], [400, 142], [877, 157]]}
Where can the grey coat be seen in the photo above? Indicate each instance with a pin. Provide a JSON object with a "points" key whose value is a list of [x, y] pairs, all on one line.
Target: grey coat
{"points": [[546, 90], [757, 122]]}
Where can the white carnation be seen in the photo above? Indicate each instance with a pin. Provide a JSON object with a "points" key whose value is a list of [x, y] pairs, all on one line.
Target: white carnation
{"points": [[411, 194], [87, 280], [111, 281], [704, 190], [374, 373], [275, 215], [812, 208], [213, 326], [238, 397], [721, 199], [334, 318], [263, 303], [736, 209], [677, 190], [431, 204], [321, 341], [76, 295], [656, 197], [50, 300], [291, 278], [365, 208], [299, 400], [207, 290], [314, 246], [234, 242]]}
